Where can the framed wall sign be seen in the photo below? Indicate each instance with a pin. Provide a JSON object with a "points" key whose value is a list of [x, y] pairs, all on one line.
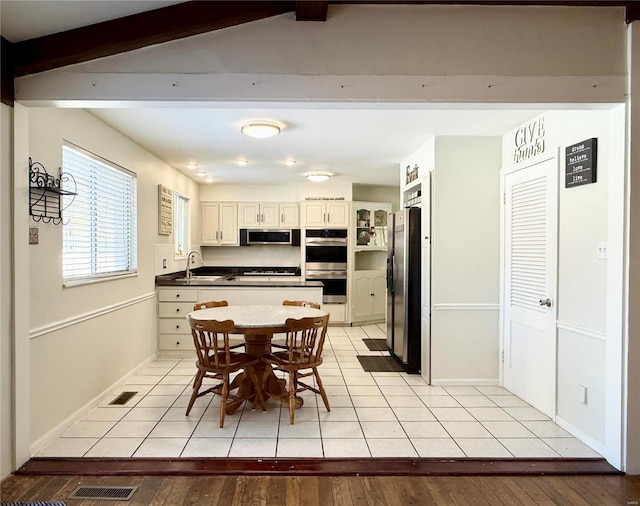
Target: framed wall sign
{"points": [[581, 163], [165, 210], [412, 173]]}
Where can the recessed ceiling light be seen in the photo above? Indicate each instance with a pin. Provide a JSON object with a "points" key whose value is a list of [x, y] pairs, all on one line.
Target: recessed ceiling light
{"points": [[192, 166], [290, 163], [209, 180], [260, 129], [201, 173], [318, 177], [243, 162]]}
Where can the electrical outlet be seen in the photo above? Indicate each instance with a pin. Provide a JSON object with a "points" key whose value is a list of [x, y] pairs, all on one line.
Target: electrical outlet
{"points": [[582, 394], [33, 235], [602, 250]]}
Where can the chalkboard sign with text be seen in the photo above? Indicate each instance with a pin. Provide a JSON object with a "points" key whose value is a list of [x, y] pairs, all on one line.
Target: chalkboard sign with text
{"points": [[581, 163]]}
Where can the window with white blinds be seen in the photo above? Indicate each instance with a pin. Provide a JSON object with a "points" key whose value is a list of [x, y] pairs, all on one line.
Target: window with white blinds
{"points": [[100, 230], [181, 236]]}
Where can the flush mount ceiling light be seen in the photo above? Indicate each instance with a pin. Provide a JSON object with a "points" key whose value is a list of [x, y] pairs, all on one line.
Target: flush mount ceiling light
{"points": [[192, 166], [243, 162], [209, 180], [260, 129], [318, 177], [201, 173], [290, 163]]}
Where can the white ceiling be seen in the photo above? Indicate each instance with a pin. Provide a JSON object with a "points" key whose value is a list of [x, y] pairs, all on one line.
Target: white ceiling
{"points": [[358, 143]]}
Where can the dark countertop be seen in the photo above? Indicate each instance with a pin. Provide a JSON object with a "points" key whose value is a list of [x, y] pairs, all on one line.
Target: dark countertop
{"points": [[237, 276]]}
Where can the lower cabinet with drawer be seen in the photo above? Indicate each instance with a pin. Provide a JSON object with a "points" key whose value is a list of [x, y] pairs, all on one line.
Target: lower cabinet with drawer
{"points": [[174, 304], [173, 307]]}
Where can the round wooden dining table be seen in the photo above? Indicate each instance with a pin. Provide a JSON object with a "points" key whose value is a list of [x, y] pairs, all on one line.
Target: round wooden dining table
{"points": [[258, 323]]}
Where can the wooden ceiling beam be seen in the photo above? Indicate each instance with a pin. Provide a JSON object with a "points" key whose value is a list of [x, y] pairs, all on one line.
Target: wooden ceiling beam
{"points": [[137, 31], [311, 11], [632, 12]]}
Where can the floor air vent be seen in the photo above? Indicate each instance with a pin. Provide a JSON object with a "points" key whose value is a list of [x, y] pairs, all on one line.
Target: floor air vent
{"points": [[123, 398], [103, 493]]}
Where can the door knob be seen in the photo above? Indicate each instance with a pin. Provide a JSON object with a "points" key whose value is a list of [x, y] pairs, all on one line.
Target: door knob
{"points": [[545, 302]]}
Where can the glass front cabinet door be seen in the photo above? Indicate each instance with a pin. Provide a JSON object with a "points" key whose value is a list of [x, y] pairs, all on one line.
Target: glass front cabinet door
{"points": [[371, 225]]}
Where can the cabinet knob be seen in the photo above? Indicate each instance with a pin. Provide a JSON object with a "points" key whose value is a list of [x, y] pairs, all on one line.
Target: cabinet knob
{"points": [[177, 326], [372, 294], [177, 310], [177, 296], [177, 343]]}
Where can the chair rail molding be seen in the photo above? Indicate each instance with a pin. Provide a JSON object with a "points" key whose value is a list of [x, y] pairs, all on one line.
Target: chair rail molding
{"points": [[466, 307], [583, 331], [74, 320]]}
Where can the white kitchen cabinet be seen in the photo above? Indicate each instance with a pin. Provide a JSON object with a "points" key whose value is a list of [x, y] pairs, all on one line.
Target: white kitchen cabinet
{"points": [[289, 215], [174, 304], [268, 215], [369, 295], [370, 225], [325, 213], [219, 224]]}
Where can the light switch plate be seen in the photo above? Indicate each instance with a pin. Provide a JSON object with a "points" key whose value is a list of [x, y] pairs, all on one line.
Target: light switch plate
{"points": [[33, 235], [582, 394]]}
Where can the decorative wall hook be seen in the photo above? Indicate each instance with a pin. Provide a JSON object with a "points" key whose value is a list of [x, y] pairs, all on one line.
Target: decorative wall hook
{"points": [[45, 191]]}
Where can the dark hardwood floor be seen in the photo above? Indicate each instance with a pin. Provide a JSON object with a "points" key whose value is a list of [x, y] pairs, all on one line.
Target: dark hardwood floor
{"points": [[336, 490]]}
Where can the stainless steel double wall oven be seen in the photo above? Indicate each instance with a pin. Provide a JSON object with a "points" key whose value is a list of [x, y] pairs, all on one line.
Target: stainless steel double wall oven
{"points": [[326, 261]]}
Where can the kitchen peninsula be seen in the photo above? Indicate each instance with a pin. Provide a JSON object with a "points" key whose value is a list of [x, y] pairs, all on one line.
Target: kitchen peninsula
{"points": [[237, 285]]}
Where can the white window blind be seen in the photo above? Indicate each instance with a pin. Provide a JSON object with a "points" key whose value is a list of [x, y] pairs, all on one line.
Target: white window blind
{"points": [[100, 230], [181, 236]]}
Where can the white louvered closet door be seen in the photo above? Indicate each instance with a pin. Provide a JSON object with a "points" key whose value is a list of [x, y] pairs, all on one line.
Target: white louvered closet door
{"points": [[531, 214]]}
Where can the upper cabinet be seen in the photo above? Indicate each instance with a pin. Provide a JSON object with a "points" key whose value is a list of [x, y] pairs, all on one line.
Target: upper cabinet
{"points": [[268, 215], [325, 213], [371, 225], [219, 224]]}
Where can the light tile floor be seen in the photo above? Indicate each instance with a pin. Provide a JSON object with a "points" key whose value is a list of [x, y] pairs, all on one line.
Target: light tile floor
{"points": [[372, 415]]}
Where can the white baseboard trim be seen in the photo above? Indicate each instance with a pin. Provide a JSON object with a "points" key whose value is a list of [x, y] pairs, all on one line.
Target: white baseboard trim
{"points": [[47, 438], [466, 307], [464, 382], [582, 436], [74, 320], [583, 331]]}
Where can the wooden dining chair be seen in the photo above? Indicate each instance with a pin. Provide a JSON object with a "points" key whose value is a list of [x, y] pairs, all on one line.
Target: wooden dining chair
{"points": [[211, 340], [279, 340], [235, 342], [305, 340], [208, 304], [303, 303]]}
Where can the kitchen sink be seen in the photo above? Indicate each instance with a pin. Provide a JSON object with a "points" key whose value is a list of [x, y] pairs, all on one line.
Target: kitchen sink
{"points": [[201, 278]]}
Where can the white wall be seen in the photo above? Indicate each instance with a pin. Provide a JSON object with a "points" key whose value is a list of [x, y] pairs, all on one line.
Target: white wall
{"points": [[373, 193], [97, 332], [583, 300], [6, 348], [465, 260], [371, 52], [252, 256]]}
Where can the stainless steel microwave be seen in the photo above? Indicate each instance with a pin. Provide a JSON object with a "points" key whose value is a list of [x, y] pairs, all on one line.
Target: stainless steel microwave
{"points": [[249, 237]]}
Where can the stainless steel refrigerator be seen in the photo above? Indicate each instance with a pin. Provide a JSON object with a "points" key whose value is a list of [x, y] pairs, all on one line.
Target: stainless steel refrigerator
{"points": [[403, 287]]}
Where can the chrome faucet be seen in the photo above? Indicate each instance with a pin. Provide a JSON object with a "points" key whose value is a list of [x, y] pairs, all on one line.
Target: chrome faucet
{"points": [[189, 257]]}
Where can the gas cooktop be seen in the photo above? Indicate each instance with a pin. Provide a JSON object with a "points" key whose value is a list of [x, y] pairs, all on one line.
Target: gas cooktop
{"points": [[268, 272]]}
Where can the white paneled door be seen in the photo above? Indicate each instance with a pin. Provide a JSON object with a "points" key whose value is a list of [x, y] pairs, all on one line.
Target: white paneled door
{"points": [[530, 260]]}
